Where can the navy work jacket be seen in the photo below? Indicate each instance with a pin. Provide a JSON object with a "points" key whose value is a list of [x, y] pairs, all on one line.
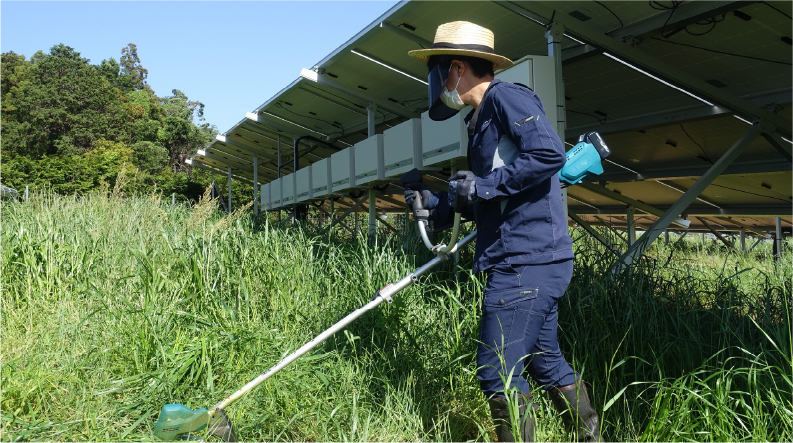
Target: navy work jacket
{"points": [[516, 156]]}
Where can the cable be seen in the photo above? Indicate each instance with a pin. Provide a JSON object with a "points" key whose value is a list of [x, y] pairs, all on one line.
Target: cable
{"points": [[750, 193], [602, 122], [659, 7], [777, 10], [709, 21], [722, 52], [695, 142], [622, 25]]}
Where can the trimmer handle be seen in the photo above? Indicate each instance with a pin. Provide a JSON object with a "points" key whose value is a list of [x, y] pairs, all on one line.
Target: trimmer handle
{"points": [[409, 179]]}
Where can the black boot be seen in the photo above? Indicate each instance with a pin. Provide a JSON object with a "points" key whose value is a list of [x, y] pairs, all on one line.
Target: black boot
{"points": [[578, 415], [499, 410]]}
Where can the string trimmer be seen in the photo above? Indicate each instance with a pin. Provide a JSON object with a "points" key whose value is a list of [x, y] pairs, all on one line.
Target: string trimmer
{"points": [[176, 419]]}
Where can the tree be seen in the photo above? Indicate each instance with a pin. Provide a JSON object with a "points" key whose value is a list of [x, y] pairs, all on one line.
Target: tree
{"points": [[131, 67]]}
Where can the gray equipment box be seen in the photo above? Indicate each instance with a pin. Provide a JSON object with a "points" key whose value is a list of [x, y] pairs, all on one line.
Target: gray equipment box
{"points": [[276, 200], [342, 165], [288, 190], [446, 141], [264, 197], [303, 184], [369, 160], [402, 148], [320, 178]]}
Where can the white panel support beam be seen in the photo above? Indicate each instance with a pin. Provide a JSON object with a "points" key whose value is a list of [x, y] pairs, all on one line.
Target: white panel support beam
{"points": [[273, 124], [244, 146], [624, 52], [198, 164], [236, 163], [324, 80], [407, 35], [636, 250]]}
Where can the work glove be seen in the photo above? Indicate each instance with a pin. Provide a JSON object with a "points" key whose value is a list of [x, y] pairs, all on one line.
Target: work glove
{"points": [[428, 200], [462, 190]]}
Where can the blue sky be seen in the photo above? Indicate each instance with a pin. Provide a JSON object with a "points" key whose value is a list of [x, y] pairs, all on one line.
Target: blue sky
{"points": [[231, 56]]}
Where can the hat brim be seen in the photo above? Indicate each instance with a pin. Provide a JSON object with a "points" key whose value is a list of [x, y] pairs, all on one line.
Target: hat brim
{"points": [[499, 62]]}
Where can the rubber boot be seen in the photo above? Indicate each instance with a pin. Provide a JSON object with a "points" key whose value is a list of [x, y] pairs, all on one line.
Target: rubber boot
{"points": [[578, 415], [499, 410]]}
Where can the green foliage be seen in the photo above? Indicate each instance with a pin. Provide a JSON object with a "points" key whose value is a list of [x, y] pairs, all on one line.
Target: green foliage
{"points": [[69, 126], [114, 307]]}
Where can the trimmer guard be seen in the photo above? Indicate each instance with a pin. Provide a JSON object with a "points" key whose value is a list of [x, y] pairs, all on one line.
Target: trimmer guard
{"points": [[176, 420]]}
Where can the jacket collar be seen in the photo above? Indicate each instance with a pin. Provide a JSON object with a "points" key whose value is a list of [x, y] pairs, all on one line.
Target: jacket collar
{"points": [[487, 91]]}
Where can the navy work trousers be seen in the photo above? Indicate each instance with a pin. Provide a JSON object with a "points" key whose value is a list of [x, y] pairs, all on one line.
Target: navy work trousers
{"points": [[518, 330]]}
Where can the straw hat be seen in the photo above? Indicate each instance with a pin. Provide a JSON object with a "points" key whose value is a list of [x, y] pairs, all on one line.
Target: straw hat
{"points": [[463, 38]]}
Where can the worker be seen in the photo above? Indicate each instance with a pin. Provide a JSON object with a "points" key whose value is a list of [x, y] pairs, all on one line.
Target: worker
{"points": [[512, 192]]}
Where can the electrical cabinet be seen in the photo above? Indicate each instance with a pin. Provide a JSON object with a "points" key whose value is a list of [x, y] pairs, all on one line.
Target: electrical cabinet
{"points": [[264, 197], [343, 170], [276, 200], [303, 184], [402, 148], [444, 142], [369, 160], [320, 178], [288, 190]]}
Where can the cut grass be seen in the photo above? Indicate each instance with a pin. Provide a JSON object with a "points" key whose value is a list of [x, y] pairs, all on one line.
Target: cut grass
{"points": [[112, 307]]}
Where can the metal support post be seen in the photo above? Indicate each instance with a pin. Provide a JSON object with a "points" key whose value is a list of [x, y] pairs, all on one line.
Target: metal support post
{"points": [[278, 149], [666, 237], [27, 192], [229, 176], [760, 239], [716, 233], [778, 239], [636, 250], [255, 186], [588, 228], [370, 118], [173, 199], [554, 35], [332, 213], [631, 227], [372, 215], [743, 240], [680, 239]]}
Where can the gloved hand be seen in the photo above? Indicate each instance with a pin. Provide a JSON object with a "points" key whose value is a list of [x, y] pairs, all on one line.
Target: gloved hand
{"points": [[428, 200], [462, 190]]}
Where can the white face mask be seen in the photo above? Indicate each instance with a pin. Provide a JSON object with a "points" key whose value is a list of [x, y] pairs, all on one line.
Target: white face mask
{"points": [[452, 98]]}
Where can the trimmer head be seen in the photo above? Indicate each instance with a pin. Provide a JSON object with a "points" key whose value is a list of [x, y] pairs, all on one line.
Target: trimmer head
{"points": [[176, 420]]}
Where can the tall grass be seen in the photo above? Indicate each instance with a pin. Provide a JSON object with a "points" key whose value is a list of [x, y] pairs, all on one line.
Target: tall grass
{"points": [[112, 307]]}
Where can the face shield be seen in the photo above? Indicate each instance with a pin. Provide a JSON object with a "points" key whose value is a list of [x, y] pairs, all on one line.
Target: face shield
{"points": [[437, 84]]}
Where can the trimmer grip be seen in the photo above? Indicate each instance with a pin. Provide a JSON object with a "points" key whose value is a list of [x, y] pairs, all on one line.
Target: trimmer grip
{"points": [[418, 207]]}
